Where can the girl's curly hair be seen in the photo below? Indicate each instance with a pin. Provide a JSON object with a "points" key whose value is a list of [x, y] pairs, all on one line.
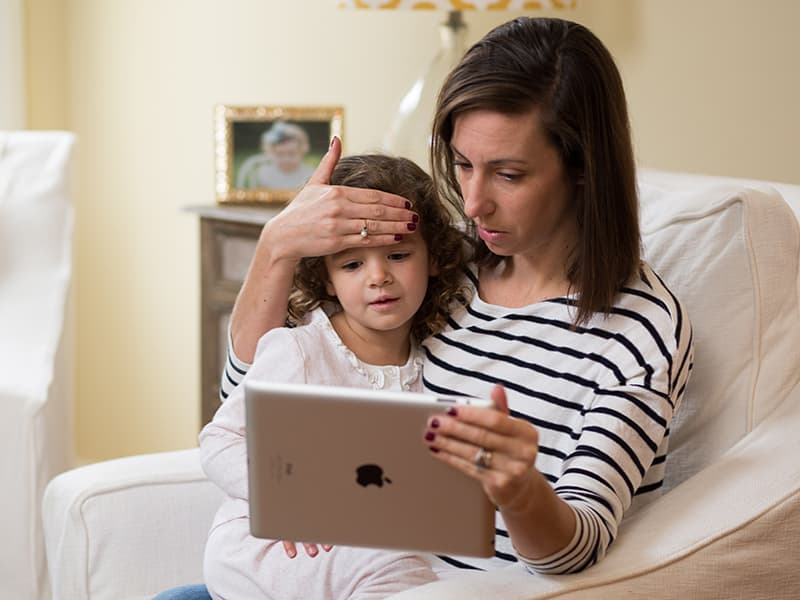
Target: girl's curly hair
{"points": [[448, 249]]}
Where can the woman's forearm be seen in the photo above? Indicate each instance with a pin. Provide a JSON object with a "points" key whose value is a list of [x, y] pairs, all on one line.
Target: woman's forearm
{"points": [[261, 303]]}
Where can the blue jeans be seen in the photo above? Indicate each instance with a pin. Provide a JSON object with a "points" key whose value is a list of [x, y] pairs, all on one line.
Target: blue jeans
{"points": [[185, 592]]}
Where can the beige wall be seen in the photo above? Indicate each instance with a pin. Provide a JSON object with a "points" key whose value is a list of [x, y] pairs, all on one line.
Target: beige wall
{"points": [[713, 87]]}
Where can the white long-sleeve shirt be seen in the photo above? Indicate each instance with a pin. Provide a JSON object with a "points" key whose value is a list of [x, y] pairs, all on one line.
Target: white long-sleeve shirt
{"points": [[237, 565]]}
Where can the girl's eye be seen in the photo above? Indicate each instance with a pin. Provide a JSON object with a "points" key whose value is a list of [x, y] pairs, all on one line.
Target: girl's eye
{"points": [[398, 255], [351, 266]]}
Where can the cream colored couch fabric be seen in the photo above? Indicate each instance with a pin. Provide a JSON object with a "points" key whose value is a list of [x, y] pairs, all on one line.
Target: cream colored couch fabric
{"points": [[727, 526], [35, 339]]}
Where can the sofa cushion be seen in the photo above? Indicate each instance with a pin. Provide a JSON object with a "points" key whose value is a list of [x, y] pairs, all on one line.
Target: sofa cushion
{"points": [[730, 253]]}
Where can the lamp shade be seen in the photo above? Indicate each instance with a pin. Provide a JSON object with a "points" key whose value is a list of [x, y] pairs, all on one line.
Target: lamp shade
{"points": [[457, 4]]}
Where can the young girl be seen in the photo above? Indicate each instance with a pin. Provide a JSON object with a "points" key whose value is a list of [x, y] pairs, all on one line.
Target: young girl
{"points": [[358, 314]]}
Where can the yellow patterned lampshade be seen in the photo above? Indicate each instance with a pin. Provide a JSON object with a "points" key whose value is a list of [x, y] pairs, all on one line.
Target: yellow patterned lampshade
{"points": [[457, 4], [409, 133]]}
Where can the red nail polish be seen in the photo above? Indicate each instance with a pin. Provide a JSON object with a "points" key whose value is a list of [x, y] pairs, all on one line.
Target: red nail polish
{"points": [[452, 411], [434, 423], [408, 205], [398, 237], [411, 226], [415, 218], [430, 436], [432, 449]]}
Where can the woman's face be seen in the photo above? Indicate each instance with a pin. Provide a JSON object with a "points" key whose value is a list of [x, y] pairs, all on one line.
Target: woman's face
{"points": [[513, 182]]}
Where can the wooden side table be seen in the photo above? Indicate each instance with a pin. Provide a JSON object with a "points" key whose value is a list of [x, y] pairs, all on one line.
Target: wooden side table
{"points": [[228, 237]]}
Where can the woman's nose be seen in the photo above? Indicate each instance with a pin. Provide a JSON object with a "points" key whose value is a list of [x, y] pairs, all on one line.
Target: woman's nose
{"points": [[474, 193]]}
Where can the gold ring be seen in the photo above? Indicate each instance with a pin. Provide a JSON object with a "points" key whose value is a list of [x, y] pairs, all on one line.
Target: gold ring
{"points": [[483, 459], [364, 230]]}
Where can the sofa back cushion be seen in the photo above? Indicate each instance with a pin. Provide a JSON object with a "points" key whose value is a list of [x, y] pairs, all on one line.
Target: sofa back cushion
{"points": [[731, 254]]}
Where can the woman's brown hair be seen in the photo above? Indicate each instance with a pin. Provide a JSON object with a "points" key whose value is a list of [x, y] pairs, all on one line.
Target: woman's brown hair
{"points": [[447, 250], [563, 70]]}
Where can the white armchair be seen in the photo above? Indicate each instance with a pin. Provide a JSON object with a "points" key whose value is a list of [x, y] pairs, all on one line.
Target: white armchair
{"points": [[35, 346], [728, 523]]}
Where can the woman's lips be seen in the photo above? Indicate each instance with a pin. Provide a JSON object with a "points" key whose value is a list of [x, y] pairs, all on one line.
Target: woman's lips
{"points": [[489, 235]]}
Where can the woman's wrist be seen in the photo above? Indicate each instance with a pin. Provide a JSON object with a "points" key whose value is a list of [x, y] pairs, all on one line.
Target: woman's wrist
{"points": [[539, 521], [274, 249]]}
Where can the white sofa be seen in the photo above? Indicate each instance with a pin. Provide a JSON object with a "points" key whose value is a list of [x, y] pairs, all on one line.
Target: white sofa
{"points": [[35, 346], [729, 523]]}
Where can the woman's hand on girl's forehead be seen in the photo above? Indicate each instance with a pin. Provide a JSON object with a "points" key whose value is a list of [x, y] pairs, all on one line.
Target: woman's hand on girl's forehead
{"points": [[324, 219]]}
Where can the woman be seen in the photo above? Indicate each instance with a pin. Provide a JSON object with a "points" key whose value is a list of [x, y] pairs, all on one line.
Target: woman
{"points": [[579, 343]]}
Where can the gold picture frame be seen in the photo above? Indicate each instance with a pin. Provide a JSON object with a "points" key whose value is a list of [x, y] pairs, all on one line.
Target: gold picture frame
{"points": [[267, 153]]}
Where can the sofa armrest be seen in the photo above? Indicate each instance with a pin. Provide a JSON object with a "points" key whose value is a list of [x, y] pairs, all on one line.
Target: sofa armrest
{"points": [[128, 528], [729, 531]]}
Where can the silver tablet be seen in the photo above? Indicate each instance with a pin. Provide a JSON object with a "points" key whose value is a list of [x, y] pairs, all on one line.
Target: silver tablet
{"points": [[348, 466]]}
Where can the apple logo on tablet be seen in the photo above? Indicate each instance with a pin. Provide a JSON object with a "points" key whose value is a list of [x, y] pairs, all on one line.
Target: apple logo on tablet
{"points": [[371, 475]]}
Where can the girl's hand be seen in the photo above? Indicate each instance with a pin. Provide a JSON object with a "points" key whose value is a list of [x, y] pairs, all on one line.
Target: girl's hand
{"points": [[311, 549], [324, 219], [490, 446]]}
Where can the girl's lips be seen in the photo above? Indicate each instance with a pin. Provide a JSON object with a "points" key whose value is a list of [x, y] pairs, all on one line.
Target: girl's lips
{"points": [[383, 302]]}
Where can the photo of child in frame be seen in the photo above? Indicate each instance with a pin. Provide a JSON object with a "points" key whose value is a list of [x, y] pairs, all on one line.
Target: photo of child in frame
{"points": [[281, 162], [267, 153]]}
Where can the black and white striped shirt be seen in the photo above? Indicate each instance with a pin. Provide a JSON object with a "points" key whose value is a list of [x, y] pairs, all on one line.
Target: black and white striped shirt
{"points": [[601, 396]]}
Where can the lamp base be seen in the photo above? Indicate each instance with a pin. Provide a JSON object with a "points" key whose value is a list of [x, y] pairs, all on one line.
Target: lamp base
{"points": [[409, 135]]}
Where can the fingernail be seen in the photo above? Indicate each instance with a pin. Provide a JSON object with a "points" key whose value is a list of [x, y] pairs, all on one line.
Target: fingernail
{"points": [[411, 226], [432, 449], [398, 237], [331, 144], [292, 554], [434, 423], [452, 411], [408, 205], [415, 218], [430, 436]]}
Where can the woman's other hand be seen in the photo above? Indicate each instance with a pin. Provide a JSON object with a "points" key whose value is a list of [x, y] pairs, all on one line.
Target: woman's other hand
{"points": [[488, 445], [500, 451]]}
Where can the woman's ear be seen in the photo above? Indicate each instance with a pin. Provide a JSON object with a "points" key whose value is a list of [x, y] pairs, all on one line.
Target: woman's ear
{"points": [[331, 291], [433, 266]]}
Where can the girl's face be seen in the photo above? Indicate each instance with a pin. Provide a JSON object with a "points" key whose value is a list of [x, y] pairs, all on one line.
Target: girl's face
{"points": [[513, 182], [287, 155], [380, 289]]}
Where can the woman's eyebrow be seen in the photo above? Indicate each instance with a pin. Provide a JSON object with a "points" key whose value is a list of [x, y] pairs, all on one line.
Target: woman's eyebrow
{"points": [[494, 162]]}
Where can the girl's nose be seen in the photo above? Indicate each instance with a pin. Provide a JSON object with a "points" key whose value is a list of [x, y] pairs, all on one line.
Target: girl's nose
{"points": [[379, 274]]}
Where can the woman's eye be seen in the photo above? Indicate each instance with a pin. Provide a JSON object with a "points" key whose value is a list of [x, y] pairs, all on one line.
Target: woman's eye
{"points": [[509, 176], [462, 165]]}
